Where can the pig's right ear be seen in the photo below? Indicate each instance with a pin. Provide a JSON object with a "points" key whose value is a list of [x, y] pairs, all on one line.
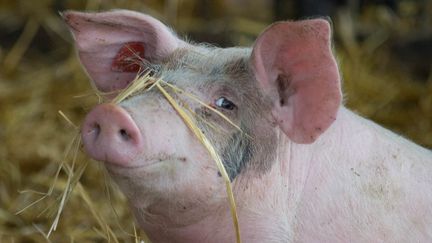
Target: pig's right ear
{"points": [[294, 65], [112, 45]]}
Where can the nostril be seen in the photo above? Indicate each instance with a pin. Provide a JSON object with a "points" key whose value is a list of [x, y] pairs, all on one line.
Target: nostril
{"points": [[96, 129], [124, 135], [92, 130]]}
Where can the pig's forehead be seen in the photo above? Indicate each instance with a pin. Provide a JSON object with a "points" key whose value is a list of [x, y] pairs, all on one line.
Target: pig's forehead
{"points": [[202, 64]]}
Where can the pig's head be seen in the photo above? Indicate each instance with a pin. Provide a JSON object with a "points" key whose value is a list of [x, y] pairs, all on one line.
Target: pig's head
{"points": [[288, 83]]}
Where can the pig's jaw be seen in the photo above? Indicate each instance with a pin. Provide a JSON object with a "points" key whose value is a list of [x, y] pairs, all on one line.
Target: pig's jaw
{"points": [[256, 204], [165, 192]]}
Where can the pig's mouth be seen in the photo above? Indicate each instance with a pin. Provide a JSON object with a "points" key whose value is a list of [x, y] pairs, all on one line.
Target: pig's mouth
{"points": [[144, 163]]}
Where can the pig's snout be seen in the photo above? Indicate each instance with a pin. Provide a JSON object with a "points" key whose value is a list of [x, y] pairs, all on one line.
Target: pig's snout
{"points": [[110, 134]]}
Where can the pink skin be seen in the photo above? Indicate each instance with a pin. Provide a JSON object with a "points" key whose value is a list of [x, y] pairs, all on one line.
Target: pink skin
{"points": [[110, 134], [332, 176]]}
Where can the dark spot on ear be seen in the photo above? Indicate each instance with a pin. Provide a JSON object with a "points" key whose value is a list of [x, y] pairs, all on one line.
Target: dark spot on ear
{"points": [[282, 82], [318, 129], [128, 58], [285, 89], [219, 174]]}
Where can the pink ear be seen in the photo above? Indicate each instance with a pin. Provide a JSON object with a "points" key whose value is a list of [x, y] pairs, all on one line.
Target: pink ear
{"points": [[294, 65], [111, 45]]}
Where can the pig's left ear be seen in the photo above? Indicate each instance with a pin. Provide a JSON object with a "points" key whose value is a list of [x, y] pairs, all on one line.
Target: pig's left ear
{"points": [[113, 45], [294, 65]]}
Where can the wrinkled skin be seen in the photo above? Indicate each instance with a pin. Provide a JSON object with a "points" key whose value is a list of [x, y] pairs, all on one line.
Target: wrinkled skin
{"points": [[308, 170]]}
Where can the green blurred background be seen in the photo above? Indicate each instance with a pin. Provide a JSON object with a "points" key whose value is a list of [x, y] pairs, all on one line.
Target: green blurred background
{"points": [[384, 49]]}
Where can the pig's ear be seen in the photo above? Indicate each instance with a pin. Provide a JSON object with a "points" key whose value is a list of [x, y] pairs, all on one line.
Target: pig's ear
{"points": [[294, 65], [112, 45]]}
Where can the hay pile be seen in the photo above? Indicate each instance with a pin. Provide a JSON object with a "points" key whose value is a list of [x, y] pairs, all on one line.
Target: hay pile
{"points": [[40, 75]]}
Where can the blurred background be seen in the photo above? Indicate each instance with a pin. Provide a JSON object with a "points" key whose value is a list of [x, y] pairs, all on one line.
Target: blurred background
{"points": [[384, 48]]}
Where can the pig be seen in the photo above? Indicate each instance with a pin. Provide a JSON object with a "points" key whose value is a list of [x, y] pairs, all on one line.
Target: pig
{"points": [[303, 168]]}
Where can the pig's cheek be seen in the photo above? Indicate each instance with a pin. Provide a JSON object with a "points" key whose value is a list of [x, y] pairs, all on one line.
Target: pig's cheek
{"points": [[167, 139]]}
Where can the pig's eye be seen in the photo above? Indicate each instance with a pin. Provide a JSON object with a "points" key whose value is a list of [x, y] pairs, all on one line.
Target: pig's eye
{"points": [[225, 103]]}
